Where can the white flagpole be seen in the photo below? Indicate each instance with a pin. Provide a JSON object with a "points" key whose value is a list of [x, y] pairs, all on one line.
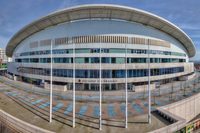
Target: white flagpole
{"points": [[50, 108], [74, 85], [149, 90], [126, 119], [100, 119]]}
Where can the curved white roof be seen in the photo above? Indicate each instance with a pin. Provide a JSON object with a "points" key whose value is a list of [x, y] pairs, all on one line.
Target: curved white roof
{"points": [[102, 11]]}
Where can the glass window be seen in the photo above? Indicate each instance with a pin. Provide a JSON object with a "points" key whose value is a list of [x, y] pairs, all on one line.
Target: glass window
{"points": [[117, 50], [94, 50], [94, 74], [81, 73], [105, 60], [26, 60], [105, 50], [118, 73], [18, 60], [106, 74], [113, 60], [82, 50], [80, 60], [34, 60], [94, 60], [86, 60], [120, 60]]}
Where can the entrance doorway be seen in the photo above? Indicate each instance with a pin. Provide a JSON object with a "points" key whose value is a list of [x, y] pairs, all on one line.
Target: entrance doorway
{"points": [[94, 87]]}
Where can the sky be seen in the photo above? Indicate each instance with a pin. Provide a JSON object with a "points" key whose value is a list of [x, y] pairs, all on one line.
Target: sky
{"points": [[15, 14]]}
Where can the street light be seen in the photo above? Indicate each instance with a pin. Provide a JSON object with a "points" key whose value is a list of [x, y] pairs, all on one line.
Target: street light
{"points": [[51, 73], [149, 90]]}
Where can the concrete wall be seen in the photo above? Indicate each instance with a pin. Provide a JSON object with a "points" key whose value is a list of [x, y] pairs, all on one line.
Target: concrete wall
{"points": [[183, 111], [187, 108], [173, 127], [183, 78], [142, 88], [56, 87]]}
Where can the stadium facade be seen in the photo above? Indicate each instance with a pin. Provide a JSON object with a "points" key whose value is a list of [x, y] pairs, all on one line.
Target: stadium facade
{"points": [[107, 42]]}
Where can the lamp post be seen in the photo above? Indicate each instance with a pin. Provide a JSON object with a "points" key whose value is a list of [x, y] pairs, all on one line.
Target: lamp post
{"points": [[74, 86], [51, 73], [100, 98], [149, 90], [126, 89]]}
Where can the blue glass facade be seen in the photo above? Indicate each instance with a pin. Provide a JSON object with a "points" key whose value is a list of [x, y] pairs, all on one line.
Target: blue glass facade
{"points": [[105, 73], [103, 50], [114, 60]]}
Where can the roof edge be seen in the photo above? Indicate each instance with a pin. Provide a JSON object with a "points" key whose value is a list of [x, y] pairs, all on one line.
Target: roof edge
{"points": [[12, 44]]}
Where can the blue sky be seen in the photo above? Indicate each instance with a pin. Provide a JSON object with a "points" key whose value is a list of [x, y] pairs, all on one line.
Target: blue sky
{"points": [[15, 14]]}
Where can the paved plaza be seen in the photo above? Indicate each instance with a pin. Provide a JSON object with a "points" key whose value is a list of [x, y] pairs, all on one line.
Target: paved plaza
{"points": [[87, 113]]}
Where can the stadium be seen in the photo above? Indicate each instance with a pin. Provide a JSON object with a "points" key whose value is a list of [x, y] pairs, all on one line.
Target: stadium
{"points": [[100, 44], [102, 66]]}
